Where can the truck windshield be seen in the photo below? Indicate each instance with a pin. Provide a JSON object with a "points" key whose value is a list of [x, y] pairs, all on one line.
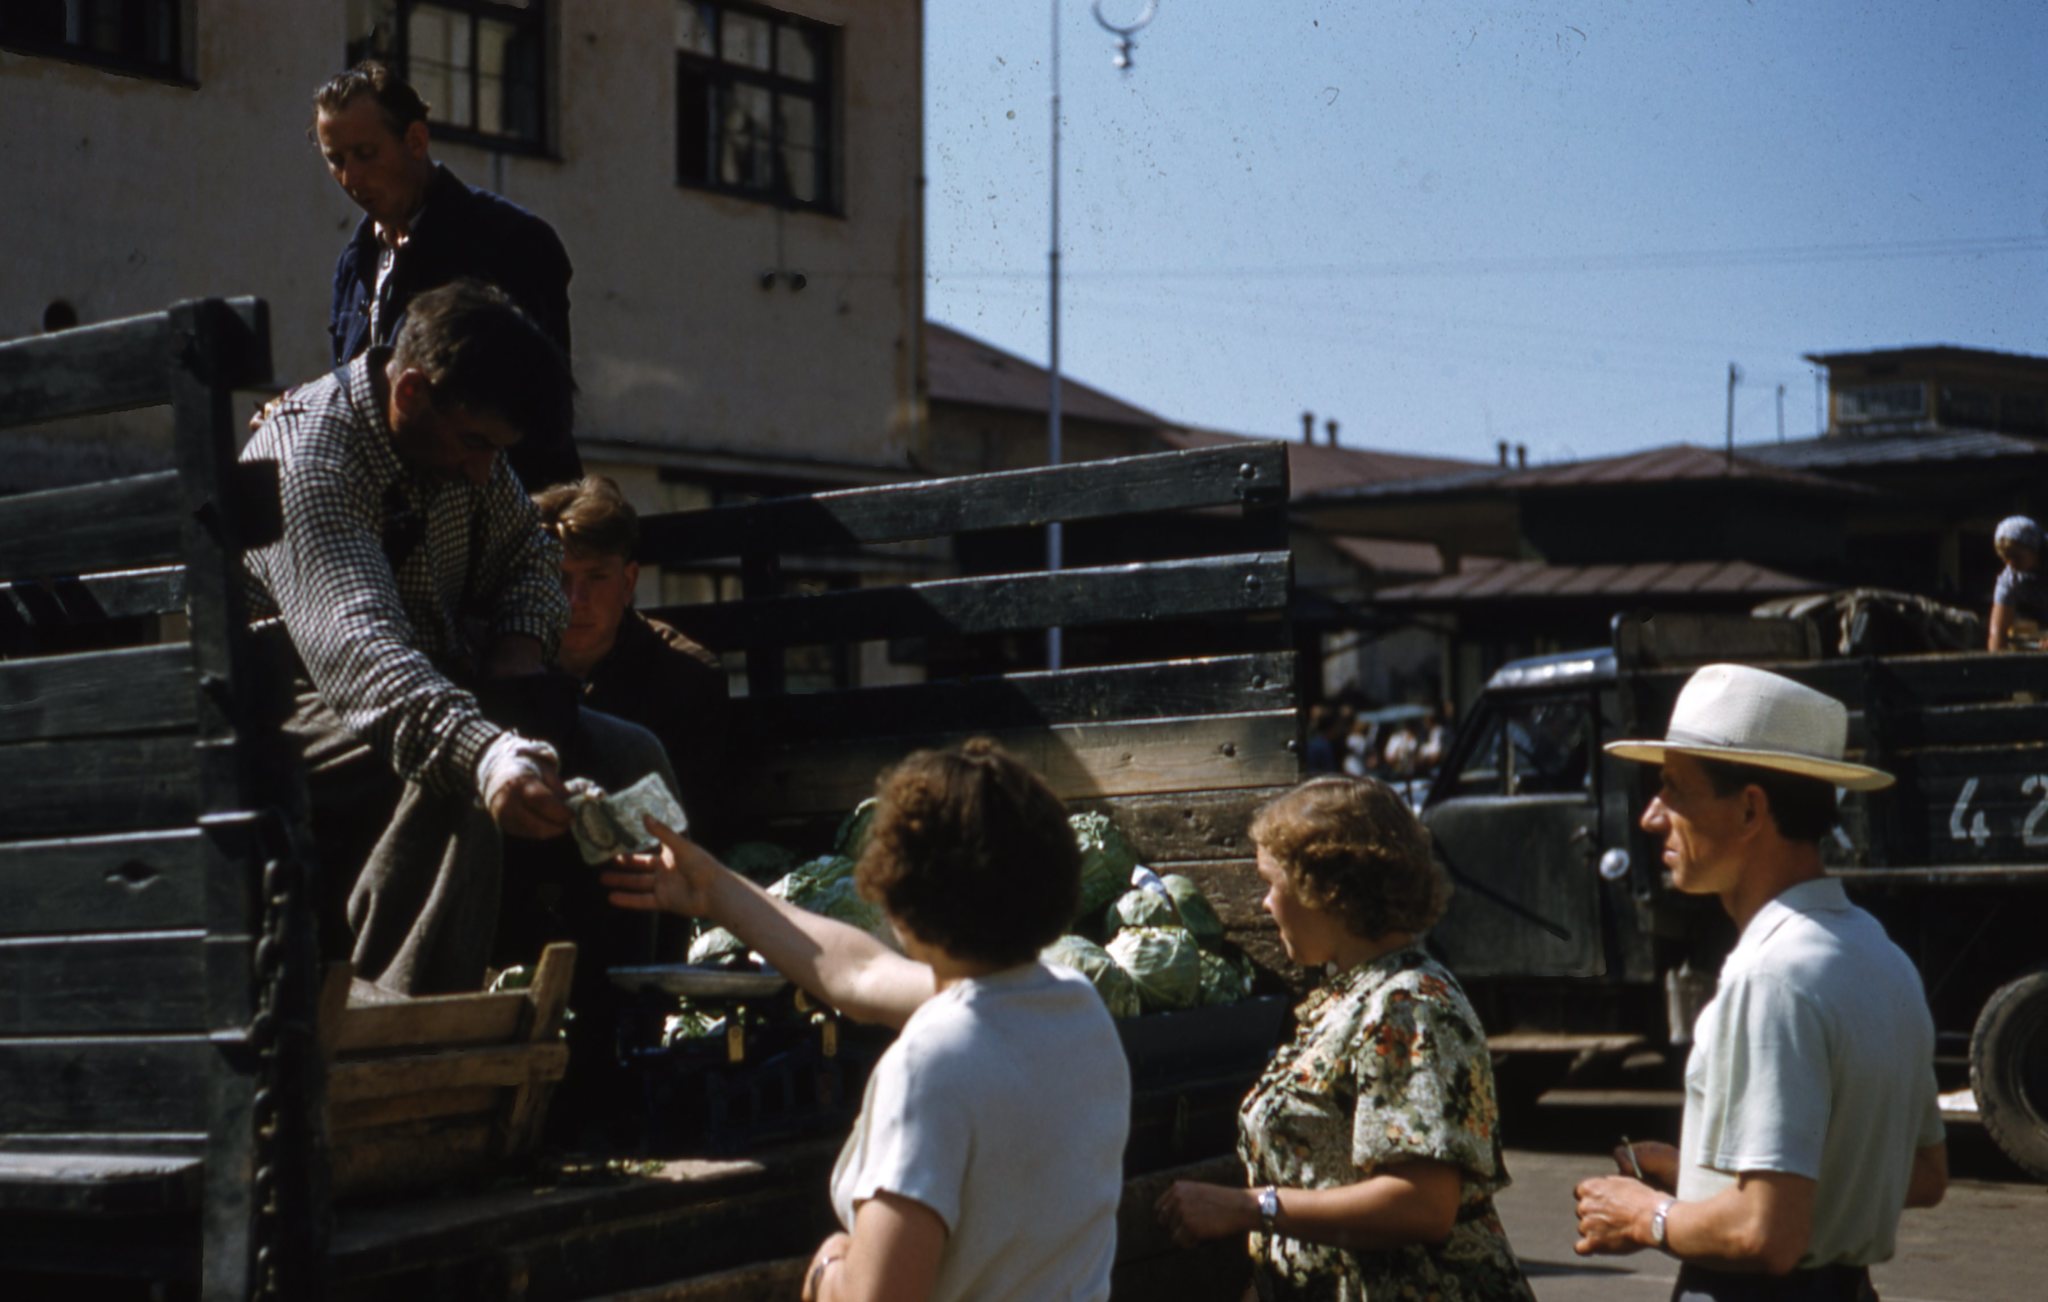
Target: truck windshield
{"points": [[1533, 747]]}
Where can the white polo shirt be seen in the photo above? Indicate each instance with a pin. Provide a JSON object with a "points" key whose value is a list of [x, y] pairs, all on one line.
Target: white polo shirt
{"points": [[1815, 1058]]}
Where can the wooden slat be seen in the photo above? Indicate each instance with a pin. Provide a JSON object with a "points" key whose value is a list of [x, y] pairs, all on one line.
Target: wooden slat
{"points": [[412, 1156], [1076, 760], [369, 1114], [153, 881], [1159, 690], [119, 524], [1249, 474], [372, 1078], [136, 689], [1240, 584], [112, 1184], [49, 788], [119, 365], [106, 1084], [103, 985], [58, 603], [441, 1020]]}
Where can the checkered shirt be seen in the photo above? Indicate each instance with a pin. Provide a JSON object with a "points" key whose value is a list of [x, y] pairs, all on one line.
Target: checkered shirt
{"points": [[380, 644]]}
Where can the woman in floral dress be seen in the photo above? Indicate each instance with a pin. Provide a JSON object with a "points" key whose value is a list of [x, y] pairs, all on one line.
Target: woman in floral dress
{"points": [[1372, 1141]]}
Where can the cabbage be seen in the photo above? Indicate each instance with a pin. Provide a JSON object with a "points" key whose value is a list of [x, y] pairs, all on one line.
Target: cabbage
{"points": [[1225, 980], [760, 861], [823, 885], [715, 946], [1164, 962], [841, 900], [812, 878], [1195, 913], [1143, 907], [1119, 995], [1106, 860], [852, 836]]}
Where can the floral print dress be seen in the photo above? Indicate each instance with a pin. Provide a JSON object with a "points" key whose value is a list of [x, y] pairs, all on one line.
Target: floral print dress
{"points": [[1389, 1065]]}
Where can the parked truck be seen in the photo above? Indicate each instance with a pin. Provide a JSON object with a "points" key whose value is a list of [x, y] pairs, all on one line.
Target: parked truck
{"points": [[192, 1105], [1573, 942]]}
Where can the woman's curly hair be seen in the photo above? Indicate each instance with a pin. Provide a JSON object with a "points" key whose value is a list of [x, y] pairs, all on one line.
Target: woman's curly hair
{"points": [[970, 851], [1352, 847]]}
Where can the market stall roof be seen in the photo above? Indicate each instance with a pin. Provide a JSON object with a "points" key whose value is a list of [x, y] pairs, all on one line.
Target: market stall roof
{"points": [[1492, 581]]}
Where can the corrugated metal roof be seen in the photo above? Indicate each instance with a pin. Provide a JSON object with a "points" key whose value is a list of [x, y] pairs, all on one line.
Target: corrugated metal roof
{"points": [[1390, 555], [1315, 468], [1679, 463], [1847, 452], [961, 368], [1911, 354], [1484, 580]]}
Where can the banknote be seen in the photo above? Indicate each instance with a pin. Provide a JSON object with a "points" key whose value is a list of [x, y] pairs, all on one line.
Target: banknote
{"points": [[608, 823]]}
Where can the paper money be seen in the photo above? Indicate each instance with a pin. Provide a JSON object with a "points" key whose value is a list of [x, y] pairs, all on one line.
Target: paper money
{"points": [[609, 824]]}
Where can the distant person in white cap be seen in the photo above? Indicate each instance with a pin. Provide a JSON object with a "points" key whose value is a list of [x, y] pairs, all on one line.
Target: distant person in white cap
{"points": [[1810, 1112], [2022, 591]]}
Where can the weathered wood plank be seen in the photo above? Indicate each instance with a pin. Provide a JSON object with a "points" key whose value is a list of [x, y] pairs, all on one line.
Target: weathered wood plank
{"points": [[108, 1184], [33, 604], [119, 524], [1159, 690], [412, 1156], [118, 365], [368, 1114], [441, 1021], [1076, 760], [49, 788], [113, 1084], [103, 984], [1242, 584], [154, 881], [1168, 481], [136, 689], [351, 1081]]}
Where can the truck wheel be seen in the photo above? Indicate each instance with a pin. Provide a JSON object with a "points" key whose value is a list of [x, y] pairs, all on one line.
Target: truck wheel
{"points": [[2009, 1070]]}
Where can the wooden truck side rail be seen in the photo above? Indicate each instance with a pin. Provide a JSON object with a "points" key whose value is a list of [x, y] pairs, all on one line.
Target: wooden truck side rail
{"points": [[158, 1077]]}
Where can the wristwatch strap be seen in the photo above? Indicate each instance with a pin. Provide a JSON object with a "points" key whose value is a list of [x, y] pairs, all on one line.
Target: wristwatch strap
{"points": [[1657, 1221], [1269, 1207]]}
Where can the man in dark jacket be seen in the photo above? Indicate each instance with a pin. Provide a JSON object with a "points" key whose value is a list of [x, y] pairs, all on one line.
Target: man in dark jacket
{"points": [[423, 228]]}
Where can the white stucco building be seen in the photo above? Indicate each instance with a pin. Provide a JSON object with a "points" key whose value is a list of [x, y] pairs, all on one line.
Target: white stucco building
{"points": [[738, 187]]}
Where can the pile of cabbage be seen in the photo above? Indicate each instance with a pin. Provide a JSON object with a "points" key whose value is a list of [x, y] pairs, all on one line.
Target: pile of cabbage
{"points": [[1148, 943]]}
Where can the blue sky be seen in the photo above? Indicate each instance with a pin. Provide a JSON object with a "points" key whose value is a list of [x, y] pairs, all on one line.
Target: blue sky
{"points": [[1445, 224]]}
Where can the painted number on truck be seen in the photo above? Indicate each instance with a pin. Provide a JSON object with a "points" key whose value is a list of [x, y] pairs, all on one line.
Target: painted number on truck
{"points": [[1978, 831]]}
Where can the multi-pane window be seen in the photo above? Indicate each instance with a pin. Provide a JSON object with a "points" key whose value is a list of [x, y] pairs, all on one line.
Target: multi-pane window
{"points": [[754, 103], [478, 63], [140, 36]]}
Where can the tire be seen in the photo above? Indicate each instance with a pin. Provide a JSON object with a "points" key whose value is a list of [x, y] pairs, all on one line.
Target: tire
{"points": [[2009, 1070]]}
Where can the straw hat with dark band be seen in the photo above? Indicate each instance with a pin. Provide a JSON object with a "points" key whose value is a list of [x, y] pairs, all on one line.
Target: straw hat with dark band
{"points": [[1745, 715]]}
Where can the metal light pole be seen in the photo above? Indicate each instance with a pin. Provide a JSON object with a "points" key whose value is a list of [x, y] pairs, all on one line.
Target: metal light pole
{"points": [[1055, 656]]}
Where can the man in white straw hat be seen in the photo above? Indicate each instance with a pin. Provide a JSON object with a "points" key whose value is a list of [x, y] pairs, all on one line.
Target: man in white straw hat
{"points": [[1810, 1112]]}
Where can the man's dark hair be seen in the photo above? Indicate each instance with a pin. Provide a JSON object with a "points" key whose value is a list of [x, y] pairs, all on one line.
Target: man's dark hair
{"points": [[1803, 807], [590, 515], [971, 851], [401, 104], [478, 350]]}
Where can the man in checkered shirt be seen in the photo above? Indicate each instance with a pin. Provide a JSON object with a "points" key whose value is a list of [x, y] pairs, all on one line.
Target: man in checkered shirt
{"points": [[412, 571]]}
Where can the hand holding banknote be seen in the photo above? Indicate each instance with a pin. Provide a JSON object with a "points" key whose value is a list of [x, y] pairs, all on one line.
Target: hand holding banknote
{"points": [[607, 825]]}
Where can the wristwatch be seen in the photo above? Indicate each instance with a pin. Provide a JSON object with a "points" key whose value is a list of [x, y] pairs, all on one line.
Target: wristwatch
{"points": [[1657, 1222], [1269, 1207]]}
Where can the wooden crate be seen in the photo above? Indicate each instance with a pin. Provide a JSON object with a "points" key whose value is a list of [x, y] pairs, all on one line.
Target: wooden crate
{"points": [[421, 1092]]}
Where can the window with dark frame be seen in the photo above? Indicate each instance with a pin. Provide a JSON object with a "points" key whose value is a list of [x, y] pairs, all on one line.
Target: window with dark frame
{"points": [[479, 64], [144, 37], [754, 104]]}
